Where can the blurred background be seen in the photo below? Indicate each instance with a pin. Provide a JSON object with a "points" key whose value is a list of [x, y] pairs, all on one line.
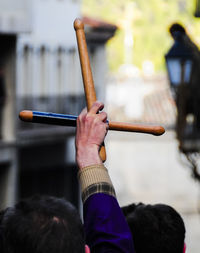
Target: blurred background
{"points": [[145, 61]]}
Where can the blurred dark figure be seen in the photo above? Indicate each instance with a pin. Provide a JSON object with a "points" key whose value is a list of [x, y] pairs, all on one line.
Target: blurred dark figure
{"points": [[155, 228], [41, 225], [2, 95], [176, 30], [190, 102]]}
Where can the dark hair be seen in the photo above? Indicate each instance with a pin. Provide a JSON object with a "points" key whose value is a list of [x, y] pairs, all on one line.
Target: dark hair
{"points": [[155, 228], [41, 225]]}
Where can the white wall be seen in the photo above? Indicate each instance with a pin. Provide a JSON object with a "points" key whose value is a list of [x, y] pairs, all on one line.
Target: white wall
{"points": [[100, 70], [15, 16], [53, 22], [50, 72]]}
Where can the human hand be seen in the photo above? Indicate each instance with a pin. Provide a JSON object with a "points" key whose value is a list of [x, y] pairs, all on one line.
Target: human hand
{"points": [[90, 133]]}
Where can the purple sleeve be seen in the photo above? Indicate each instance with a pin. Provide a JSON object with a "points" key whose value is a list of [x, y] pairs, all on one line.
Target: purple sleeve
{"points": [[105, 226]]}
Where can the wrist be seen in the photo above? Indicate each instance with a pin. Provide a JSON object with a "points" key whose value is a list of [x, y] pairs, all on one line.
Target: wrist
{"points": [[87, 156]]}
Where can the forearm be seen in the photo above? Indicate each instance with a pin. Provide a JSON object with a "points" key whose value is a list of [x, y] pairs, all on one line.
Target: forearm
{"points": [[87, 156]]}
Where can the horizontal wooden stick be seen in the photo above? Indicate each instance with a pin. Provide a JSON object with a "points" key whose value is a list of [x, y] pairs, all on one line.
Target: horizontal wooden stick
{"points": [[139, 128], [70, 120], [48, 118]]}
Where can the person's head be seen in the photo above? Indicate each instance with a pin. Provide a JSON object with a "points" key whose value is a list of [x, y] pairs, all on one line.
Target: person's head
{"points": [[41, 225], [155, 228]]}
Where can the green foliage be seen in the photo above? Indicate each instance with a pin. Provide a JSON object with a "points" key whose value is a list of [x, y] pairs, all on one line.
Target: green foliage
{"points": [[149, 22]]}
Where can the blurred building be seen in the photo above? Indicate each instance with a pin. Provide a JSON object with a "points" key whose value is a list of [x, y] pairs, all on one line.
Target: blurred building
{"points": [[40, 70]]}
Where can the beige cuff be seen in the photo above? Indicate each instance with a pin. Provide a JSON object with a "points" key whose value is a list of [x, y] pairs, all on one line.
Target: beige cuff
{"points": [[93, 174]]}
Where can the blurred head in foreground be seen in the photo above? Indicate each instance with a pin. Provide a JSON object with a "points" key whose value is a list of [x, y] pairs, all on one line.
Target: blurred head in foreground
{"points": [[155, 228], [41, 225]]}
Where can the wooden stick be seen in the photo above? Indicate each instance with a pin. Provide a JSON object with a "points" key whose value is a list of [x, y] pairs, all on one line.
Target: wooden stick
{"points": [[70, 120], [48, 118], [118, 126], [88, 82]]}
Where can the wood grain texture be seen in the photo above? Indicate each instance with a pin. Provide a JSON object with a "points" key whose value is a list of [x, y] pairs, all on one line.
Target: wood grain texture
{"points": [[119, 126], [90, 93]]}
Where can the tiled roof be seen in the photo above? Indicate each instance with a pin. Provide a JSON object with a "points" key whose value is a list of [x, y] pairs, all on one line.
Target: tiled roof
{"points": [[99, 32], [157, 105], [95, 23]]}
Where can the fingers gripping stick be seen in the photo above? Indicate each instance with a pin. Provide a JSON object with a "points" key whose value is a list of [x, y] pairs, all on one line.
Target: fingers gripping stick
{"points": [[88, 82]]}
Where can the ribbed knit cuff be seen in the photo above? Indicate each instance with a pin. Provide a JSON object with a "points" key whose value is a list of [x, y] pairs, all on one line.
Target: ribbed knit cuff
{"points": [[95, 179]]}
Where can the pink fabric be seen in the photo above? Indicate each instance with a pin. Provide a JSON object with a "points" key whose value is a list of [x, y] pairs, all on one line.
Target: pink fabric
{"points": [[87, 249], [184, 249]]}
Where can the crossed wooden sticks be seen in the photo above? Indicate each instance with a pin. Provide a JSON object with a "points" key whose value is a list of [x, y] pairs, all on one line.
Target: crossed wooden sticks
{"points": [[90, 95]]}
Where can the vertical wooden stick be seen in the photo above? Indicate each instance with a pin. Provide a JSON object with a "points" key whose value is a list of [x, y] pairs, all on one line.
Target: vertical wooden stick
{"points": [[88, 82]]}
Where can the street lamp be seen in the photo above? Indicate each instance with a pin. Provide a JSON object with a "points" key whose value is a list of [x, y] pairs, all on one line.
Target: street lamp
{"points": [[179, 61]]}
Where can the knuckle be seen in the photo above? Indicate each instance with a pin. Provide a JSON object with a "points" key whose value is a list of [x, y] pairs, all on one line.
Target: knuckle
{"points": [[104, 114], [88, 118], [98, 103]]}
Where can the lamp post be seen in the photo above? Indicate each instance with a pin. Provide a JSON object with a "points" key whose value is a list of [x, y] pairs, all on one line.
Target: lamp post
{"points": [[181, 67], [179, 62]]}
